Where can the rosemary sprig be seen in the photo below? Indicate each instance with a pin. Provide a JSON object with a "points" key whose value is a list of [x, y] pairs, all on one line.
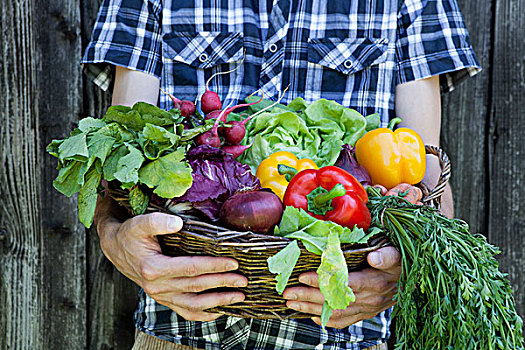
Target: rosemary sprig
{"points": [[451, 293]]}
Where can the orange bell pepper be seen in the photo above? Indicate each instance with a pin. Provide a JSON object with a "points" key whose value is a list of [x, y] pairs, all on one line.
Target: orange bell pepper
{"points": [[392, 157], [268, 170]]}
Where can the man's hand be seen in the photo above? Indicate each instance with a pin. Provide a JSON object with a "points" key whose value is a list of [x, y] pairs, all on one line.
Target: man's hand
{"points": [[374, 288], [175, 282]]}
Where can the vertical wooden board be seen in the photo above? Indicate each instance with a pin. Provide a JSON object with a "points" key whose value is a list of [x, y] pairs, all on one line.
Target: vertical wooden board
{"points": [[465, 111], [20, 229], [63, 242], [506, 146], [111, 298]]}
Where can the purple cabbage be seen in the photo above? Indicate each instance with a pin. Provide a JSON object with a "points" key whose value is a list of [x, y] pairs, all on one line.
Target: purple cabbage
{"points": [[347, 161], [216, 177]]}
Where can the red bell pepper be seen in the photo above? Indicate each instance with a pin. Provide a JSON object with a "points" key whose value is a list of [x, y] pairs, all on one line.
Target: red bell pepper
{"points": [[329, 193]]}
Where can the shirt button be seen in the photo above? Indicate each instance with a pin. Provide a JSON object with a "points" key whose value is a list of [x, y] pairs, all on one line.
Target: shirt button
{"points": [[273, 48], [203, 57], [348, 64]]}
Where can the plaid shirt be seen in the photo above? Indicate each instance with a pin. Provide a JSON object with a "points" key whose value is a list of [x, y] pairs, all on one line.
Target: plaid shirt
{"points": [[353, 52]]}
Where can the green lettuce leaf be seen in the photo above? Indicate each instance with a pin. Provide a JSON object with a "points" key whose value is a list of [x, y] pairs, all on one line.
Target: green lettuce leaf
{"points": [[283, 264], [169, 175], [333, 276], [87, 196], [316, 131]]}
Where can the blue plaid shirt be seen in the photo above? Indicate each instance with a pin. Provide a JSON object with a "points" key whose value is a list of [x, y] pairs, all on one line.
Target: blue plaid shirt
{"points": [[353, 52]]}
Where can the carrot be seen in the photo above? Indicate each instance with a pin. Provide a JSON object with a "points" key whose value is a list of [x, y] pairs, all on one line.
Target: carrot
{"points": [[407, 191]]}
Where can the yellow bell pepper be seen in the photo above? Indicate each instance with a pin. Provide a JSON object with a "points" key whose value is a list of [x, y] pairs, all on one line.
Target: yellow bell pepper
{"points": [[392, 157], [268, 172]]}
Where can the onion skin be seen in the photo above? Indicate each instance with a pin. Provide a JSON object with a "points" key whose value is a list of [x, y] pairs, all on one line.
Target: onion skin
{"points": [[256, 211]]}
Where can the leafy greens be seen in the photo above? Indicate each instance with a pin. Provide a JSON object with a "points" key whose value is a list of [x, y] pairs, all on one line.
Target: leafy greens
{"points": [[139, 145], [316, 131]]}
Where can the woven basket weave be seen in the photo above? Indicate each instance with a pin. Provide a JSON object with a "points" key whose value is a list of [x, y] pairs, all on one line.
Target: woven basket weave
{"points": [[252, 251]]}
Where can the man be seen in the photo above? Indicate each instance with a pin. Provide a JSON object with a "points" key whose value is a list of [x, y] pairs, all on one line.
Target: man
{"points": [[373, 56]]}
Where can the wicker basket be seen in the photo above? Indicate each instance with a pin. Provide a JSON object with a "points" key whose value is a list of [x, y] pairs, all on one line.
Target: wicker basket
{"points": [[252, 251]]}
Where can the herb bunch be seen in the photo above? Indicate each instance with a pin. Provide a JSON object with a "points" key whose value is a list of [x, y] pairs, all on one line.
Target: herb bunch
{"points": [[451, 293]]}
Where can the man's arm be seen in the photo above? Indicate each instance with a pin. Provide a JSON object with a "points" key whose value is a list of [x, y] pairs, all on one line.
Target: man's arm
{"points": [[132, 246], [418, 103], [133, 86]]}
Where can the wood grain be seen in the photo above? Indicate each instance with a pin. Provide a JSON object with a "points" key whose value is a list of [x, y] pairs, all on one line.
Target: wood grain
{"points": [[63, 245], [506, 151], [464, 129], [20, 249]]}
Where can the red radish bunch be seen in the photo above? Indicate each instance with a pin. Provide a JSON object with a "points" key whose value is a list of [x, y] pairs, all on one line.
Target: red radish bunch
{"points": [[234, 132], [211, 137]]}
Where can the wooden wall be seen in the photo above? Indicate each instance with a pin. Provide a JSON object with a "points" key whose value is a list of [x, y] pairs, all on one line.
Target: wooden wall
{"points": [[57, 291]]}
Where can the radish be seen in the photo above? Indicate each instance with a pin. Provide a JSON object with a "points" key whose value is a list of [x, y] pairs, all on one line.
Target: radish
{"points": [[212, 137], [186, 107], [235, 150], [213, 114], [210, 100]]}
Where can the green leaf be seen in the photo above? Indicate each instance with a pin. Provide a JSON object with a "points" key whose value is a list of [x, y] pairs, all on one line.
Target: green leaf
{"points": [[154, 115], [138, 200], [297, 104], [100, 146], [159, 134], [356, 235], [74, 148], [111, 163], [333, 275], [118, 132], [373, 121], [313, 244], [169, 175], [52, 148], [87, 197], [283, 264], [89, 124], [326, 313], [125, 116], [70, 178], [128, 167]]}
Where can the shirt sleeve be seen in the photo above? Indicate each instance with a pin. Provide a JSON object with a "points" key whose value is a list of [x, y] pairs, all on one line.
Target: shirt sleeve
{"points": [[432, 40], [127, 33]]}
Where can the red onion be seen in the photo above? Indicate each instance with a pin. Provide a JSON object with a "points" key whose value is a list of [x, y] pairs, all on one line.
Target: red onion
{"points": [[347, 161], [256, 211]]}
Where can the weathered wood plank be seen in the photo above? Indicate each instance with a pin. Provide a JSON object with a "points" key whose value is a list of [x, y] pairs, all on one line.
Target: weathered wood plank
{"points": [[506, 151], [464, 123], [20, 271], [111, 298], [63, 320]]}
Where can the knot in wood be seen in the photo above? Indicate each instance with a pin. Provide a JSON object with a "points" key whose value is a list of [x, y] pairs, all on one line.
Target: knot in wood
{"points": [[3, 234]]}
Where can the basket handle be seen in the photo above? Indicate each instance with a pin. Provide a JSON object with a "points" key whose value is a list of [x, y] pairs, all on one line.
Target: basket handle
{"points": [[433, 197]]}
